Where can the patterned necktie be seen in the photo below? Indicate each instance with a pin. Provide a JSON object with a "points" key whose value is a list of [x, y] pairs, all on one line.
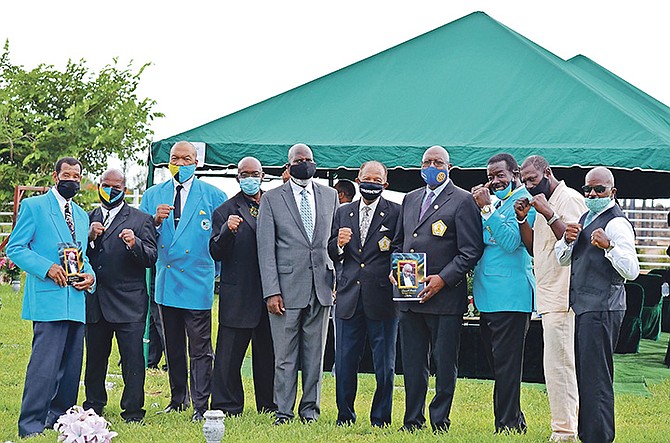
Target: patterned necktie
{"points": [[70, 221], [426, 204], [177, 206], [365, 223], [105, 221], [306, 214]]}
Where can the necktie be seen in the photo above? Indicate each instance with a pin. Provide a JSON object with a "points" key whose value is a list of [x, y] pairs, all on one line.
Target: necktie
{"points": [[105, 221], [426, 204], [69, 220], [589, 218], [177, 206], [306, 214], [365, 223]]}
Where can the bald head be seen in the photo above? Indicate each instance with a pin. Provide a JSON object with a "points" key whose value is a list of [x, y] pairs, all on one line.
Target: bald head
{"points": [[601, 175], [113, 175], [250, 163], [300, 151], [435, 153], [183, 153], [373, 167]]}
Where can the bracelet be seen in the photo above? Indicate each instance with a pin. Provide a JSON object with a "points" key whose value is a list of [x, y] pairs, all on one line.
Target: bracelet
{"points": [[522, 221], [553, 219]]}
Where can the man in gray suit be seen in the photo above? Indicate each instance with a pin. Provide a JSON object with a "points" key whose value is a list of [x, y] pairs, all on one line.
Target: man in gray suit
{"points": [[294, 223]]}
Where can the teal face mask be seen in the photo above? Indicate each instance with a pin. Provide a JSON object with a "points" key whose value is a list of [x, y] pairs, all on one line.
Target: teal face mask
{"points": [[595, 205], [502, 194], [181, 173], [250, 185]]}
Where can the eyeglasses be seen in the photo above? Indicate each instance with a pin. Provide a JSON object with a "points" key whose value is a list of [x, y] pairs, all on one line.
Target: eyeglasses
{"points": [[436, 163], [598, 188], [254, 174]]}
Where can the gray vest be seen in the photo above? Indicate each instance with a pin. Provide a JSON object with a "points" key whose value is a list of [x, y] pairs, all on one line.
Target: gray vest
{"points": [[594, 283]]}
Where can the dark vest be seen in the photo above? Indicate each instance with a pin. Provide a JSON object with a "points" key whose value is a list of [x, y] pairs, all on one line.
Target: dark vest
{"points": [[594, 283]]}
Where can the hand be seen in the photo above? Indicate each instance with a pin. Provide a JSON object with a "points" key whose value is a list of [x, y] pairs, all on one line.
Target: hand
{"points": [[482, 195], [541, 205], [128, 237], [392, 279], [57, 274], [521, 207], [234, 222], [162, 212], [95, 230], [86, 283], [275, 305], [572, 230], [600, 239], [343, 237], [434, 284]]}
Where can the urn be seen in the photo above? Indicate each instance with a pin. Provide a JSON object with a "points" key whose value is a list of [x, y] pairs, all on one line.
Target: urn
{"points": [[213, 428]]}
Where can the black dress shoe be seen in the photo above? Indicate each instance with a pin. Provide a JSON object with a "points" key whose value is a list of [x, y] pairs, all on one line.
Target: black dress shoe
{"points": [[281, 420], [174, 407], [410, 428], [134, 420], [344, 423], [307, 419], [198, 415]]}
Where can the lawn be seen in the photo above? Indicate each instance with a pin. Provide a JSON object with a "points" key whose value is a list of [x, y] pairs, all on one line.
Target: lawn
{"points": [[642, 403]]}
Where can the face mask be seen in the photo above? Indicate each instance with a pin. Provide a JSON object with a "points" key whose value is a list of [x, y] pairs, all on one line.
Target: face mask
{"points": [[110, 197], [596, 205], [67, 188], [540, 188], [434, 177], [370, 191], [181, 173], [303, 170], [502, 194], [250, 185]]}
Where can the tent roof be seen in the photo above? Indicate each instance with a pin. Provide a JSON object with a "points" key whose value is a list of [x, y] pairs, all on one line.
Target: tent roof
{"points": [[473, 86]]}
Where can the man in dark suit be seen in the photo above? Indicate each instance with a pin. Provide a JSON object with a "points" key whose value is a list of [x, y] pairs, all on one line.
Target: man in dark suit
{"points": [[360, 246], [442, 221], [122, 245], [294, 224], [243, 316]]}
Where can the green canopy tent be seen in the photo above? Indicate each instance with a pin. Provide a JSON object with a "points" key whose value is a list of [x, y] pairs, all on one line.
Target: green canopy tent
{"points": [[473, 86]]}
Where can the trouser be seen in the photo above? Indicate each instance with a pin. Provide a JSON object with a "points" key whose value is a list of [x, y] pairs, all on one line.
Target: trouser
{"points": [[504, 337], [178, 324], [52, 376]]}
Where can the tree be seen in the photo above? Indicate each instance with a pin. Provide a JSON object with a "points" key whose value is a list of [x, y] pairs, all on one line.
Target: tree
{"points": [[46, 114]]}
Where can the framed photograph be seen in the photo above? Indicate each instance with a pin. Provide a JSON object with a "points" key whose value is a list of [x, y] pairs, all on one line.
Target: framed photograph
{"points": [[408, 268], [71, 261]]}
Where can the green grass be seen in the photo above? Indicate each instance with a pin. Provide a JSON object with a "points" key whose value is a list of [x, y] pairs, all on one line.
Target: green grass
{"points": [[641, 416]]}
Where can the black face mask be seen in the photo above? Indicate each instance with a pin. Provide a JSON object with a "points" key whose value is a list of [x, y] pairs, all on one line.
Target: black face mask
{"points": [[370, 191], [67, 188], [540, 188], [303, 170]]}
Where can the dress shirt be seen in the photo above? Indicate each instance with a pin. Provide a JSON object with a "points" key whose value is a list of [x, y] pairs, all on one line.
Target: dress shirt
{"points": [[437, 191], [372, 206], [112, 213], [553, 280], [622, 256], [184, 192], [310, 197], [61, 200]]}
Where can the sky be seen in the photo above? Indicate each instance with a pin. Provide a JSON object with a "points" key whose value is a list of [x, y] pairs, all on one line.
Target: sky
{"points": [[212, 58]]}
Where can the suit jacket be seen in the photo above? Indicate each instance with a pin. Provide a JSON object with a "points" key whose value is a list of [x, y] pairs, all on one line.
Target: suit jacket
{"points": [[121, 292], [240, 295], [185, 270], [504, 279], [33, 246], [450, 234], [290, 264], [363, 270]]}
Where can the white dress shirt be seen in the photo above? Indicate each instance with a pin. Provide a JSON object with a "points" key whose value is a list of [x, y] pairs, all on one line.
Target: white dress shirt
{"points": [[184, 192], [61, 200], [622, 256]]}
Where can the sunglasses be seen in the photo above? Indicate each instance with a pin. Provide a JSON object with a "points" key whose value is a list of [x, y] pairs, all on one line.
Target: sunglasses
{"points": [[599, 189]]}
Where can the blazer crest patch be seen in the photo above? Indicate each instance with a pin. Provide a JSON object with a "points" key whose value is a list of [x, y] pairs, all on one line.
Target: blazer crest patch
{"points": [[438, 228], [384, 244]]}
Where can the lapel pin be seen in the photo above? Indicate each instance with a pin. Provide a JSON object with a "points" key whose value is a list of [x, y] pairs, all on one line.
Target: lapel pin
{"points": [[436, 206], [381, 214], [351, 214]]}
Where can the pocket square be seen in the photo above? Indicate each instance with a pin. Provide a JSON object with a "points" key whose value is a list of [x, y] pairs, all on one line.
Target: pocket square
{"points": [[383, 229]]}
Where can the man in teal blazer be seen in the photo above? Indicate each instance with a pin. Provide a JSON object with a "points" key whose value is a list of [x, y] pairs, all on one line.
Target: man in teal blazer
{"points": [[56, 308], [182, 208], [503, 287]]}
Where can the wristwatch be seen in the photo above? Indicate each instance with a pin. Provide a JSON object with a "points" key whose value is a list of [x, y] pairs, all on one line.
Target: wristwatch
{"points": [[610, 247], [487, 209]]}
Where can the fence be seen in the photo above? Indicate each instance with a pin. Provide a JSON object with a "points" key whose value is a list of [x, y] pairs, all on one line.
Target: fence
{"points": [[651, 228]]}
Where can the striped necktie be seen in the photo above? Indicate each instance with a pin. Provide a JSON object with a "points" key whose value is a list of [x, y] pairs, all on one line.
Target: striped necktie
{"points": [[306, 214]]}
